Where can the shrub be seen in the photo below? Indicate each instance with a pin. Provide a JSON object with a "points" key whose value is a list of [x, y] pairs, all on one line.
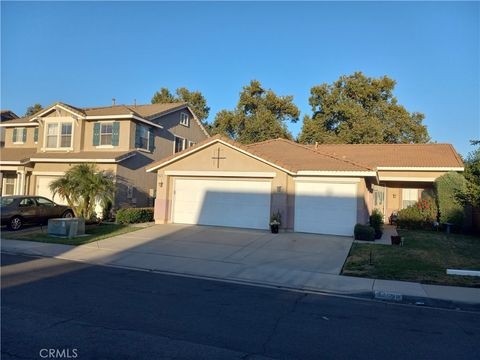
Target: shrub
{"points": [[411, 218], [364, 232], [134, 215], [376, 221], [420, 215], [450, 208]]}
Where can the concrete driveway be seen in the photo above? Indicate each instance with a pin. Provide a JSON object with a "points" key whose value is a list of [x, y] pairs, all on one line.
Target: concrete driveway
{"points": [[288, 258]]}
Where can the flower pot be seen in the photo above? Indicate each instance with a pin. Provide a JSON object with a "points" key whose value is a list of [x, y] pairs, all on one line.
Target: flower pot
{"points": [[396, 240], [378, 234], [274, 228]]}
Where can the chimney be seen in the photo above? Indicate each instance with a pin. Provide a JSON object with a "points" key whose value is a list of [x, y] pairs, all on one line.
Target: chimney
{"points": [[316, 145], [113, 101]]}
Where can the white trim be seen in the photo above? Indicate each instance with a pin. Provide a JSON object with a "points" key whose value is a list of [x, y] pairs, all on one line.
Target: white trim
{"points": [[246, 174], [52, 173], [344, 180], [407, 168], [194, 150], [59, 121], [18, 124], [187, 124], [463, 272], [45, 111], [47, 160], [13, 162], [130, 116], [400, 178], [199, 122], [336, 173], [104, 147]]}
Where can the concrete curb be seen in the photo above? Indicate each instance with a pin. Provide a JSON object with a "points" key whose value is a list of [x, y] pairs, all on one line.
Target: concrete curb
{"points": [[373, 295]]}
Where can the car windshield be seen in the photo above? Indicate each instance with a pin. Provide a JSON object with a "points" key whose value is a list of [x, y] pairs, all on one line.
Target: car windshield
{"points": [[6, 201]]}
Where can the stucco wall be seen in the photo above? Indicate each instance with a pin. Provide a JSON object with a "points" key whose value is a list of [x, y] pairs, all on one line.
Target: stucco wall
{"points": [[29, 143]]}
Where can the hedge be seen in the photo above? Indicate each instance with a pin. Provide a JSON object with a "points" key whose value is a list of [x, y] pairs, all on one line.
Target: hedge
{"points": [[420, 215], [450, 209], [134, 215], [364, 232]]}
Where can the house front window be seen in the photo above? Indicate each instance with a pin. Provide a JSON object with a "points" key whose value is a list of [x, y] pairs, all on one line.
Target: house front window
{"points": [[8, 186], [184, 119], [179, 144], [59, 135], [143, 137], [106, 133], [19, 135], [409, 197]]}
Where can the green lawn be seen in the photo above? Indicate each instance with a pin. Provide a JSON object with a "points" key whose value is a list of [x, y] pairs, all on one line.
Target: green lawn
{"points": [[424, 258], [93, 233]]}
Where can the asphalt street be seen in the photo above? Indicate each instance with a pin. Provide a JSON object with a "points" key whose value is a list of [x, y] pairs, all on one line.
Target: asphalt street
{"points": [[61, 309]]}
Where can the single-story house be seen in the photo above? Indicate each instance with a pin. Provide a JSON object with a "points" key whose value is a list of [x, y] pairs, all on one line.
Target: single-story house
{"points": [[324, 189]]}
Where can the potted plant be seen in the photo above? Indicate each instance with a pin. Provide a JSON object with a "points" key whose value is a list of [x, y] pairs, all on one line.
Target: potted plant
{"points": [[376, 221], [275, 222]]}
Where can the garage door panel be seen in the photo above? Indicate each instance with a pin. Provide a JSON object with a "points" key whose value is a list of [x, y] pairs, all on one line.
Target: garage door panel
{"points": [[325, 208], [222, 202], [43, 189]]}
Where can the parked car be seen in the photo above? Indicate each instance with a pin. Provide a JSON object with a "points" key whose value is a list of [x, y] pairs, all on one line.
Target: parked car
{"points": [[23, 209]]}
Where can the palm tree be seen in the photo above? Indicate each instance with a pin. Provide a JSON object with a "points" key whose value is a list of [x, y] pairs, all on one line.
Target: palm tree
{"points": [[83, 186]]}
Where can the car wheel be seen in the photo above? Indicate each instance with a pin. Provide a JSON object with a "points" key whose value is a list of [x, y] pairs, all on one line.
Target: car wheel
{"points": [[15, 223], [68, 214]]}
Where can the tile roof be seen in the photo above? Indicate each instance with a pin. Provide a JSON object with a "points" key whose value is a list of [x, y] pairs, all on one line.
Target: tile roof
{"points": [[283, 153], [148, 111], [297, 157], [22, 120], [395, 155]]}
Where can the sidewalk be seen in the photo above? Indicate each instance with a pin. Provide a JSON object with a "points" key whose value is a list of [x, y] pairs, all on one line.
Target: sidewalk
{"points": [[229, 271]]}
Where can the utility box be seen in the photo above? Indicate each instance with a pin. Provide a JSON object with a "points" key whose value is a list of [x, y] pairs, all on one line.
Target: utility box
{"points": [[68, 227]]}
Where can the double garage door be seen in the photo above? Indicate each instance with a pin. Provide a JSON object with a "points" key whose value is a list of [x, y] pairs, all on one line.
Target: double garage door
{"points": [[320, 207], [235, 203]]}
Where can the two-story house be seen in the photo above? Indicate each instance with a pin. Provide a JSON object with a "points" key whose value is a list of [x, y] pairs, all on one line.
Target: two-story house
{"points": [[121, 139]]}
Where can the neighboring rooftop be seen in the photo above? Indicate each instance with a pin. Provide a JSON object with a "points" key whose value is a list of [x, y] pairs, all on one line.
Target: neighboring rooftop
{"points": [[7, 115], [147, 111]]}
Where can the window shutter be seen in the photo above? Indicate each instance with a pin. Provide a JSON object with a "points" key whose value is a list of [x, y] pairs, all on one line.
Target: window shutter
{"points": [[24, 135], [35, 134], [137, 136], [96, 134], [151, 139], [115, 133], [14, 136]]}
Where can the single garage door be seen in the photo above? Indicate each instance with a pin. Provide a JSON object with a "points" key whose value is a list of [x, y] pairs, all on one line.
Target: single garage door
{"points": [[325, 207], [43, 183], [235, 203]]}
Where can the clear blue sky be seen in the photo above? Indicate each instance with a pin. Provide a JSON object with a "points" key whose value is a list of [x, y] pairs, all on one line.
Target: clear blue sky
{"points": [[87, 53]]}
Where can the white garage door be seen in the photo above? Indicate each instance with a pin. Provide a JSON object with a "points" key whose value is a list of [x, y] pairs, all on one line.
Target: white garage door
{"points": [[233, 203], [43, 189], [325, 207]]}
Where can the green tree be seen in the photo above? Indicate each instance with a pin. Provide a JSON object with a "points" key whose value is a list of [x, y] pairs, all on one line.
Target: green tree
{"points": [[33, 109], [357, 109], [259, 115], [194, 99], [471, 194], [82, 187], [450, 208]]}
